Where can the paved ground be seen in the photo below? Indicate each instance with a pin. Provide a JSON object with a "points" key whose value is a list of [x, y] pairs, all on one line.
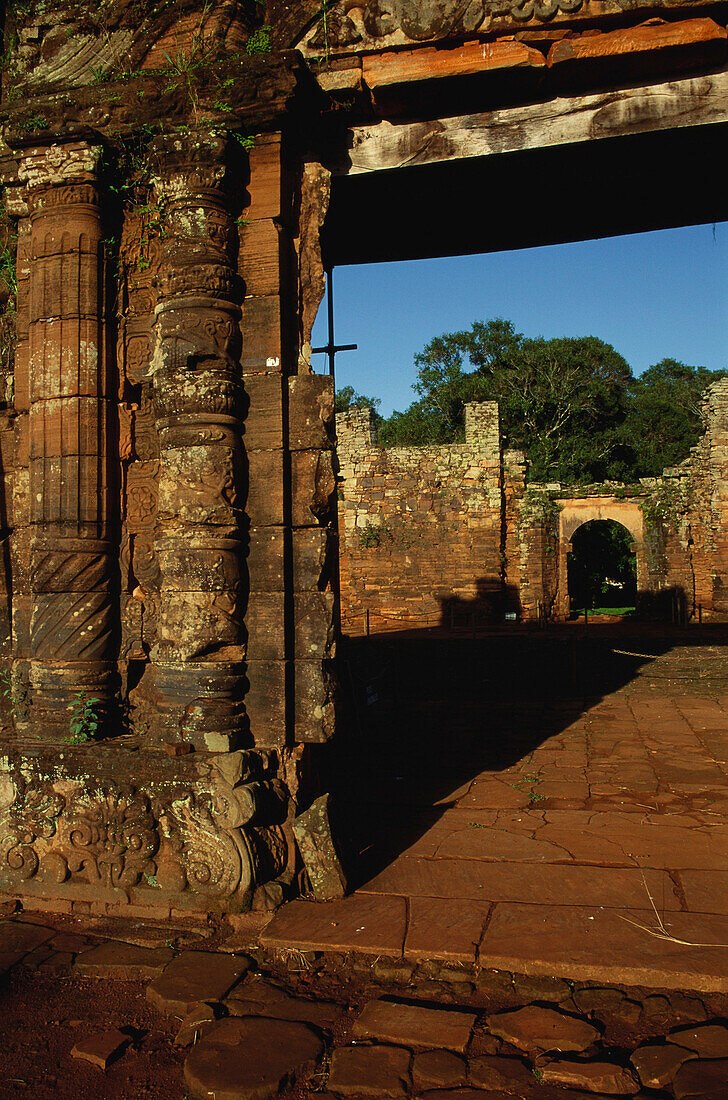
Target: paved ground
{"points": [[518, 815], [570, 822]]}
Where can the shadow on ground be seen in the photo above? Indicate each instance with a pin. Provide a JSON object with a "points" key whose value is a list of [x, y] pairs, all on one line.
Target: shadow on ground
{"points": [[424, 713]]}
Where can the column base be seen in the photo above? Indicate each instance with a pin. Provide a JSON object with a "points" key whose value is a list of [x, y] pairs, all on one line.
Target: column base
{"points": [[184, 835]]}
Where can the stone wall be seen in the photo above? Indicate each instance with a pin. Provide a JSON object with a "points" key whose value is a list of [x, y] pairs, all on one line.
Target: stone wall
{"points": [[421, 528], [457, 536]]}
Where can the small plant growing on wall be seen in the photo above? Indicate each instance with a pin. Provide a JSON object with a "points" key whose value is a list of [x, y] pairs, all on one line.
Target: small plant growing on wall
{"points": [[16, 693], [85, 720], [373, 535]]}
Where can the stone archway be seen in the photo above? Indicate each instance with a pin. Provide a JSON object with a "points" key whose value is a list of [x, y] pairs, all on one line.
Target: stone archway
{"points": [[574, 512]]}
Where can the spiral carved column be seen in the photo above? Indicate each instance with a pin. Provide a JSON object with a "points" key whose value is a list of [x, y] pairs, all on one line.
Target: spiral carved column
{"points": [[72, 623], [197, 670]]}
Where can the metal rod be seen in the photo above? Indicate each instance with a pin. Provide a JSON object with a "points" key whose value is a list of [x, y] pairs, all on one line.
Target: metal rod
{"points": [[330, 307]]}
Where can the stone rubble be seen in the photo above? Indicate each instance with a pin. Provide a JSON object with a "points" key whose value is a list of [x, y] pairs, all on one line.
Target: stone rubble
{"points": [[542, 1029], [101, 1048], [258, 1037]]}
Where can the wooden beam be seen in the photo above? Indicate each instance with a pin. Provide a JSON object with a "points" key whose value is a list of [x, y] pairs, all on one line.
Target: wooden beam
{"points": [[564, 120]]}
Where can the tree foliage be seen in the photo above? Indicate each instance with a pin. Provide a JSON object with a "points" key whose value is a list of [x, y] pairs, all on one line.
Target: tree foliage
{"points": [[571, 403], [663, 420]]}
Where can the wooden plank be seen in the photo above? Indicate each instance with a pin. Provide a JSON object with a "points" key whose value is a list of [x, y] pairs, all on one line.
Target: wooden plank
{"points": [[563, 120]]}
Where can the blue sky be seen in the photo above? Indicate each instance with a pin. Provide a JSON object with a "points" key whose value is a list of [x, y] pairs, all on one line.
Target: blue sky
{"points": [[651, 295]]}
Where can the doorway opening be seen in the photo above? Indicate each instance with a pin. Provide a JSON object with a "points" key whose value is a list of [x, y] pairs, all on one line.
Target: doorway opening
{"points": [[602, 569]]}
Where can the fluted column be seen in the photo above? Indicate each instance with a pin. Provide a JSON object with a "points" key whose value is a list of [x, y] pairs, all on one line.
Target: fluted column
{"points": [[72, 622], [197, 671]]}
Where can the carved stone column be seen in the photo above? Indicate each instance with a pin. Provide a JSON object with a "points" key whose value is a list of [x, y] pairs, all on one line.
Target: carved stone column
{"points": [[197, 669], [72, 601]]}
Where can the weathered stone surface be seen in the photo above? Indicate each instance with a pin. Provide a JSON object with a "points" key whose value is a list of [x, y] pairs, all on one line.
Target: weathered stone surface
{"points": [[123, 961], [18, 939], [707, 1041], [101, 1048], [493, 1073], [438, 929], [534, 1028], [250, 1059], [373, 925], [370, 1071], [438, 1069], [656, 1066], [704, 1080], [259, 998], [316, 845], [414, 1026], [195, 1025], [602, 1077], [195, 976]]}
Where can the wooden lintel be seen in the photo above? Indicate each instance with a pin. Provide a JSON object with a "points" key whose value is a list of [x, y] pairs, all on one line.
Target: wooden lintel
{"points": [[694, 101]]}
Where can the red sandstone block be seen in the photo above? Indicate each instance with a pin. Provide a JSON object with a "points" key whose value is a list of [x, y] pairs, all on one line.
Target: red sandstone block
{"points": [[312, 487], [265, 185], [260, 260], [264, 504], [264, 416], [644, 49], [265, 626], [473, 58], [265, 701], [261, 324], [311, 412], [311, 551], [265, 559]]}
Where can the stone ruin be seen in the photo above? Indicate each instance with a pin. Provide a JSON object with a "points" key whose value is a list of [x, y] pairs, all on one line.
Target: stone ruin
{"points": [[457, 536], [175, 179]]}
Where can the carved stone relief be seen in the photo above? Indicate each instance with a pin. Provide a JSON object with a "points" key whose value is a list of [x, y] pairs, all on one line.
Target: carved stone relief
{"points": [[202, 833], [355, 25]]}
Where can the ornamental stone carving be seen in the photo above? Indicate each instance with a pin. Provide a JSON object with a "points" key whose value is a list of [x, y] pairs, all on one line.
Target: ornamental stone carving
{"points": [[212, 834]]}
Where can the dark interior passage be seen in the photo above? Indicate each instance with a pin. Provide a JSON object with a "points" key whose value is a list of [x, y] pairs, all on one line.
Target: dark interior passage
{"points": [[602, 567]]}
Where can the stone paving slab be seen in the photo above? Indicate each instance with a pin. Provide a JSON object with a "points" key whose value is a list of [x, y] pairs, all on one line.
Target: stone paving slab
{"points": [[472, 880], [123, 961], [18, 939], [366, 923], [195, 976], [438, 929], [593, 944], [414, 1026]]}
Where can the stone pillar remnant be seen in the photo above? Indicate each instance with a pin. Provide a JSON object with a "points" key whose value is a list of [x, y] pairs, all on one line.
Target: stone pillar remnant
{"points": [[73, 604], [198, 397]]}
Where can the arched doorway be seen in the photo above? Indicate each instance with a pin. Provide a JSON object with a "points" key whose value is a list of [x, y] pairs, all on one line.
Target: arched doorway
{"points": [[578, 511], [602, 568]]}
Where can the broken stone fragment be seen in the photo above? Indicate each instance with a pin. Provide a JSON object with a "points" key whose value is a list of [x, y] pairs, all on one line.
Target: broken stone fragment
{"points": [[438, 1068], [533, 1029], [493, 1073], [312, 830], [414, 1026], [603, 1077], [195, 1024], [705, 1080], [707, 1041], [370, 1071], [123, 961], [250, 1059], [195, 976], [657, 1065], [101, 1048]]}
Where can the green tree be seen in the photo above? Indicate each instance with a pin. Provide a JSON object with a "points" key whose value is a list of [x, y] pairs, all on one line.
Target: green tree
{"points": [[348, 398], [562, 401], [663, 421]]}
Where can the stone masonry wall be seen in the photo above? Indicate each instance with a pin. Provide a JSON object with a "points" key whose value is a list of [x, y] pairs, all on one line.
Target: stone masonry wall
{"points": [[421, 527], [456, 536]]}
